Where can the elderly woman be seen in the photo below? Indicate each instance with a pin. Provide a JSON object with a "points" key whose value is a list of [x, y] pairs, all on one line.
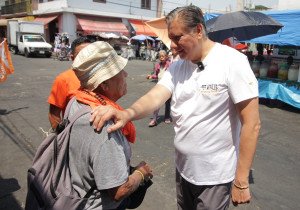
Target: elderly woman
{"points": [[159, 69], [99, 159]]}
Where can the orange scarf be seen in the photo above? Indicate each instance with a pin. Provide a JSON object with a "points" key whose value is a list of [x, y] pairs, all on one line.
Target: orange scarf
{"points": [[128, 130]]}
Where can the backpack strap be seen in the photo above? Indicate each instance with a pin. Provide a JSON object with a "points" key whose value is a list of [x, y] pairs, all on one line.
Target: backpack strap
{"points": [[82, 111], [65, 121], [70, 122], [90, 191]]}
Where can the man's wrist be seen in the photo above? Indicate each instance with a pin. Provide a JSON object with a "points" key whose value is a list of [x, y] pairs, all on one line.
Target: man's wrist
{"points": [[129, 114], [241, 182]]}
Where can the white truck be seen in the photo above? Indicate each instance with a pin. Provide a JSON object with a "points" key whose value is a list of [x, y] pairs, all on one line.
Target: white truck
{"points": [[26, 37]]}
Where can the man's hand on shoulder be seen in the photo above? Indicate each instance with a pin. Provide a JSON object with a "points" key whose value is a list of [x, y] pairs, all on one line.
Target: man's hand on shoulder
{"points": [[101, 114]]}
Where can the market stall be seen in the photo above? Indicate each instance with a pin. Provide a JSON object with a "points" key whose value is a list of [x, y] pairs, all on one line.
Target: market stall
{"points": [[278, 70], [286, 91], [284, 82]]}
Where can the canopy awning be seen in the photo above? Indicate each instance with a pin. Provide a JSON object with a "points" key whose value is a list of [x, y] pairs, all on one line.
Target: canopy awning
{"points": [[141, 28], [3, 22], [46, 19], [97, 25], [159, 26]]}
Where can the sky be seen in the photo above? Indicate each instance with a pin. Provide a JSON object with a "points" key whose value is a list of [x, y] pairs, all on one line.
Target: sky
{"points": [[215, 5]]}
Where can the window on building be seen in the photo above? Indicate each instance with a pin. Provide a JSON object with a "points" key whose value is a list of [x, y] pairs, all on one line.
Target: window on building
{"points": [[146, 4], [100, 1], [41, 1]]}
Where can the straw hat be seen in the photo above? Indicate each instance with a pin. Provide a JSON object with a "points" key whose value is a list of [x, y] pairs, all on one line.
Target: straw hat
{"points": [[97, 63]]}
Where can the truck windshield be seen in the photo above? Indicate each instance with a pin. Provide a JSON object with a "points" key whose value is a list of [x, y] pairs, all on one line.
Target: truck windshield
{"points": [[33, 39]]}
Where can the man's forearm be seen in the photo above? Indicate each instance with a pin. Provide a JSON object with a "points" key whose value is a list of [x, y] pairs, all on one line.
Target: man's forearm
{"points": [[54, 116], [248, 142], [127, 188], [150, 102]]}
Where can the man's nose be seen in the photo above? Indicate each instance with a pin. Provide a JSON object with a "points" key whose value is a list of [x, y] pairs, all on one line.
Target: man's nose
{"points": [[173, 45]]}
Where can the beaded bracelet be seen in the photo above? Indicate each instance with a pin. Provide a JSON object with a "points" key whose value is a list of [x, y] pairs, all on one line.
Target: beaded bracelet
{"points": [[240, 187], [142, 175]]}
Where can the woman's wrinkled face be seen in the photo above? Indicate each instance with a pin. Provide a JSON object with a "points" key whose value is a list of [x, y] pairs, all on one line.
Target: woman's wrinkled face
{"points": [[117, 86], [184, 43], [163, 57]]}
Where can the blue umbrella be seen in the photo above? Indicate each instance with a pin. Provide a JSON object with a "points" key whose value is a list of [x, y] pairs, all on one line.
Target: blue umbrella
{"points": [[141, 38]]}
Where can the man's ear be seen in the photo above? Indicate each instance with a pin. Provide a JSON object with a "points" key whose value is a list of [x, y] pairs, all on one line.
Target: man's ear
{"points": [[199, 28], [104, 86], [72, 57]]}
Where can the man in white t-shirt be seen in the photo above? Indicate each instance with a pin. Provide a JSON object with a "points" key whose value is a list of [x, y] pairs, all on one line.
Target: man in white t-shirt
{"points": [[215, 113]]}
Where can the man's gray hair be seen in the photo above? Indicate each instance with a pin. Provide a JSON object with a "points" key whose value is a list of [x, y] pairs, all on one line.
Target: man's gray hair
{"points": [[190, 16]]}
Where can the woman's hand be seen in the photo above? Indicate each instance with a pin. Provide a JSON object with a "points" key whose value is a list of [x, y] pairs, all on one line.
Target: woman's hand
{"points": [[101, 114]]}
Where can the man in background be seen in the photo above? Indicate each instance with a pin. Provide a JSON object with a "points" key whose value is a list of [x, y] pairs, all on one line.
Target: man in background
{"points": [[65, 86]]}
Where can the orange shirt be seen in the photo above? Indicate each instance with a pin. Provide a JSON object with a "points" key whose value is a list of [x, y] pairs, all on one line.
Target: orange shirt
{"points": [[63, 89]]}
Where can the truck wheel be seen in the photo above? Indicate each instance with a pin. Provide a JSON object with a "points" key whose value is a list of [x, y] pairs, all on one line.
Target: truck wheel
{"points": [[15, 50], [26, 53], [48, 55]]}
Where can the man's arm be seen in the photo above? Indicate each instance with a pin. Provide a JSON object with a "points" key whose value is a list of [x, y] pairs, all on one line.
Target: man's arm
{"points": [[148, 103], [143, 107], [249, 115], [142, 173], [54, 115]]}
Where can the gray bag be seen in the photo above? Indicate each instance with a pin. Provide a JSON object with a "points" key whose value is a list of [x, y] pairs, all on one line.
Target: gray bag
{"points": [[49, 178]]}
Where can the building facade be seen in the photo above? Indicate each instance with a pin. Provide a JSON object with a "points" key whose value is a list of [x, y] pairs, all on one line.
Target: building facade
{"points": [[77, 17]]}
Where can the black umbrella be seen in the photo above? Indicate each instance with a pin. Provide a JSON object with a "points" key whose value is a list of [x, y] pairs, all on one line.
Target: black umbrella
{"points": [[242, 25]]}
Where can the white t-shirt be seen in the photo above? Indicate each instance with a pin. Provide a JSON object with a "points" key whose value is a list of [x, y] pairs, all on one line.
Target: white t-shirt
{"points": [[206, 122]]}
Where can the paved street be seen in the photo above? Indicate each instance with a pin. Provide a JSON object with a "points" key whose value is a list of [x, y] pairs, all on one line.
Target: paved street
{"points": [[275, 177]]}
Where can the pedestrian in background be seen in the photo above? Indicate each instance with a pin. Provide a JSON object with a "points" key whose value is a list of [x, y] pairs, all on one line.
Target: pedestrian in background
{"points": [[173, 57], [159, 70], [65, 86], [215, 114]]}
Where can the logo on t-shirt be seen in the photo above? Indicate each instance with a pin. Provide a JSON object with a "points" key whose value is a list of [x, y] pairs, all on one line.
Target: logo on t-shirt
{"points": [[209, 89]]}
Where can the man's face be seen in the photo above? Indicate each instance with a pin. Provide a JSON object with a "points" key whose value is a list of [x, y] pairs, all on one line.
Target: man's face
{"points": [[117, 86], [174, 52], [78, 48], [185, 43]]}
